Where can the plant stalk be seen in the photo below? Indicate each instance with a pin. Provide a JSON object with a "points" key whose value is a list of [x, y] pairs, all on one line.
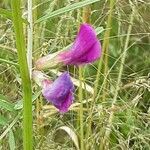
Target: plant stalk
{"points": [[81, 110], [24, 73]]}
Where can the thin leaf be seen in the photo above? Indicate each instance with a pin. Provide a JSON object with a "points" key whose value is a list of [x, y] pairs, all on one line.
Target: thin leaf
{"points": [[5, 104], [99, 30], [8, 62], [10, 126], [6, 13], [3, 120], [19, 104], [71, 134], [65, 9], [12, 144]]}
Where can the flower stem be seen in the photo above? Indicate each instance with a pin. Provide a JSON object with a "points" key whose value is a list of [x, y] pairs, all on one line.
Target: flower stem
{"points": [[24, 72], [105, 143], [81, 110]]}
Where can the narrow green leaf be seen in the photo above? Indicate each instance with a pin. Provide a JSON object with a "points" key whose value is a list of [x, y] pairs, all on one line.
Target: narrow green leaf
{"points": [[65, 9], [4, 133], [5, 104], [19, 104], [99, 30], [8, 62], [3, 120], [11, 140], [71, 134], [6, 13]]}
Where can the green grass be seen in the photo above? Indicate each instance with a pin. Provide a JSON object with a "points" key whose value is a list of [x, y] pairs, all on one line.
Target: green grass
{"points": [[112, 108]]}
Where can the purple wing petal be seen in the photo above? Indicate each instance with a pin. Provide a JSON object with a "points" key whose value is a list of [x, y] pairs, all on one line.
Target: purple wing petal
{"points": [[57, 92]]}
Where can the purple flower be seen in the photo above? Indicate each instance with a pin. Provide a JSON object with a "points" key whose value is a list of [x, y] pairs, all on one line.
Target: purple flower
{"points": [[85, 49], [60, 92]]}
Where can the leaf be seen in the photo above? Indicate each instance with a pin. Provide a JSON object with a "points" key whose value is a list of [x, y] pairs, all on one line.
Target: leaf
{"points": [[65, 9], [8, 62], [5, 104], [99, 30], [4, 133], [19, 104], [71, 134], [11, 140], [3, 120], [6, 13]]}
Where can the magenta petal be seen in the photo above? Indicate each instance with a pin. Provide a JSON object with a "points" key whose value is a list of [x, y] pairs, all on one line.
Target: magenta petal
{"points": [[90, 56], [85, 49], [59, 93]]}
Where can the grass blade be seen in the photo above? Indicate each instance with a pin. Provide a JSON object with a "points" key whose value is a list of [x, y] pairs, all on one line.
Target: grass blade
{"points": [[65, 9], [6, 13], [5, 104], [12, 144]]}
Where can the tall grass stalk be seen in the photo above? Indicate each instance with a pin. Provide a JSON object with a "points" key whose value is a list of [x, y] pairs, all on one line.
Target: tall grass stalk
{"points": [[24, 72], [105, 142], [105, 49], [104, 53], [30, 37], [81, 110]]}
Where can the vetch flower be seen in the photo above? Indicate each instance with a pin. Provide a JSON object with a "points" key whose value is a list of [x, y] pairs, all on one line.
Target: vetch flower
{"points": [[85, 49], [60, 92]]}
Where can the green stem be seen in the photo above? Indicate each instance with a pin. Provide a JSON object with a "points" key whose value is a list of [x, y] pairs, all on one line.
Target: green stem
{"points": [[105, 143], [81, 110], [24, 72]]}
